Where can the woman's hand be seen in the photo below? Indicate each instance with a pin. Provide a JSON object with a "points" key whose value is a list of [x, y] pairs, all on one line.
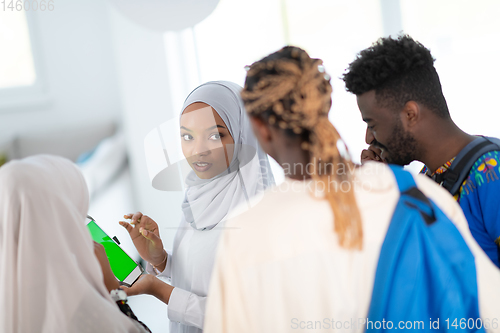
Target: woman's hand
{"points": [[109, 278], [146, 237], [150, 285]]}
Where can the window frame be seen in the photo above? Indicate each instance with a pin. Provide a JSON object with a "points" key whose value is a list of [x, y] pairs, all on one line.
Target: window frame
{"points": [[37, 94]]}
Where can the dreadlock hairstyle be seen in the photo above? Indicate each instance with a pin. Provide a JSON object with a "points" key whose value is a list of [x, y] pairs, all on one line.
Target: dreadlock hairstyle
{"points": [[289, 90], [400, 70]]}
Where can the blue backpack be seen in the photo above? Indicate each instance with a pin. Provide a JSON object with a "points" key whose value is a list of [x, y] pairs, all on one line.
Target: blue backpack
{"points": [[426, 274]]}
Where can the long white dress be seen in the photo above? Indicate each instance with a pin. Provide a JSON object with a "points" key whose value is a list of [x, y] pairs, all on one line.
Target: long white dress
{"points": [[280, 268]]}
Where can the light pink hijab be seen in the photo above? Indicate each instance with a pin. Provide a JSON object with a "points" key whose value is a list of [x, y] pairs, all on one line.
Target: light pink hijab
{"points": [[50, 280]]}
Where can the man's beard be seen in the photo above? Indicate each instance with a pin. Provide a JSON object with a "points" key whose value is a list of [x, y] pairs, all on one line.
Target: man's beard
{"points": [[402, 148]]}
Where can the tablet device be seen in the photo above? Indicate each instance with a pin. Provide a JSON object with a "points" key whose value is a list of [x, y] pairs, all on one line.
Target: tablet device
{"points": [[125, 269]]}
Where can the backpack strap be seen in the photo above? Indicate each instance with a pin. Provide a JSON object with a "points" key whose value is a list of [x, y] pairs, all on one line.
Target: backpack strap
{"points": [[404, 179], [459, 170], [411, 195]]}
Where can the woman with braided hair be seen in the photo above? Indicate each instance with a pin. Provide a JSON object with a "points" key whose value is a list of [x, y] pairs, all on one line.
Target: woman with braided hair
{"points": [[320, 232], [292, 93]]}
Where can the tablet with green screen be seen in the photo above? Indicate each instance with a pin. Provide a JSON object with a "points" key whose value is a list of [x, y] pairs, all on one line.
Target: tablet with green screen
{"points": [[126, 270]]}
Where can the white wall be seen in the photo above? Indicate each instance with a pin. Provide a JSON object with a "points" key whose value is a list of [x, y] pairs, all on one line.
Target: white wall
{"points": [[74, 43], [142, 67], [98, 66], [141, 64]]}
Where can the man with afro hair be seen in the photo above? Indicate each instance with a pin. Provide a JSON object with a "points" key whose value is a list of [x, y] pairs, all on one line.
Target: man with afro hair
{"points": [[400, 98]]}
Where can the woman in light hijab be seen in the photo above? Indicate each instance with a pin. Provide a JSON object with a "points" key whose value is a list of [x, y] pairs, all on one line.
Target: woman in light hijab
{"points": [[50, 279], [229, 174]]}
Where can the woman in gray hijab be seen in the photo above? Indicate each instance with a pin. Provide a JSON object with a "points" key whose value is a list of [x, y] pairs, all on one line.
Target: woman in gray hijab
{"points": [[229, 175]]}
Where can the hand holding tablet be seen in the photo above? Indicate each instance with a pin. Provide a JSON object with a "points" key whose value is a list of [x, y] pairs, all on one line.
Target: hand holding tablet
{"points": [[125, 269]]}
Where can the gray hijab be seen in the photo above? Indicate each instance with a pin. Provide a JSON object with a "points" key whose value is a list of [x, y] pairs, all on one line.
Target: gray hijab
{"points": [[210, 201]]}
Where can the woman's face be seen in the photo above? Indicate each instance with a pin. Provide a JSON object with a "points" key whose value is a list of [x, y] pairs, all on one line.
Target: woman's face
{"points": [[206, 142]]}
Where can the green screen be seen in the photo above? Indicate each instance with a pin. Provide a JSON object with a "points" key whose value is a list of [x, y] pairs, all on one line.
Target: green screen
{"points": [[121, 264]]}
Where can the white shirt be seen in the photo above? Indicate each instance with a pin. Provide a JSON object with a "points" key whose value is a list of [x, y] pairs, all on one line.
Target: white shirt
{"points": [[280, 268]]}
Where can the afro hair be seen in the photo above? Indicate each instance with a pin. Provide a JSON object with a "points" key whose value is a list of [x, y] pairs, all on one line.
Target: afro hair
{"points": [[399, 70]]}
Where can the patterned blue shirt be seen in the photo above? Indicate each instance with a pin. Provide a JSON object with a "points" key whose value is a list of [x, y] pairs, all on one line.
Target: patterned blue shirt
{"points": [[480, 201]]}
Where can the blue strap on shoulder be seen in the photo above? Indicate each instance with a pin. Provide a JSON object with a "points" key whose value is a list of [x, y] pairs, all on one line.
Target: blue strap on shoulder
{"points": [[413, 196], [404, 179]]}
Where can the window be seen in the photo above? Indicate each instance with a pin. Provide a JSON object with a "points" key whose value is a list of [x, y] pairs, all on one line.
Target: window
{"points": [[461, 34], [335, 31], [16, 60], [20, 83], [463, 38], [241, 32]]}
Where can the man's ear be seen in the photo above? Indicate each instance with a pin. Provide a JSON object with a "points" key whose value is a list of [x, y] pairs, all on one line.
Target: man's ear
{"points": [[410, 115]]}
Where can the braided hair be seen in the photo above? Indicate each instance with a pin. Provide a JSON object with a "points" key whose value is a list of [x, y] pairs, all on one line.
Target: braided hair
{"points": [[290, 90]]}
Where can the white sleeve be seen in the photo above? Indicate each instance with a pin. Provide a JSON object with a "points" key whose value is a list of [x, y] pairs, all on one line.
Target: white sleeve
{"points": [[167, 272], [183, 306], [186, 308]]}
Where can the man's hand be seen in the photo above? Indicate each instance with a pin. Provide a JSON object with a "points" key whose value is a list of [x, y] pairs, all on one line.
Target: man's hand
{"points": [[146, 237], [371, 154], [109, 278]]}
